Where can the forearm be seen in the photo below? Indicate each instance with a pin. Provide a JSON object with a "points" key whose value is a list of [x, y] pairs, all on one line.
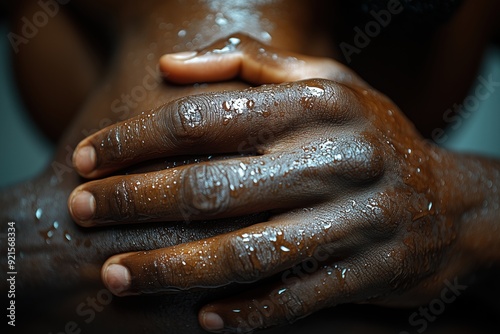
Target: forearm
{"points": [[477, 189], [466, 204]]}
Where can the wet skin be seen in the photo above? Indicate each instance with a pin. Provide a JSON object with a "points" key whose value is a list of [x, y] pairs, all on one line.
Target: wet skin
{"points": [[350, 185], [367, 196]]}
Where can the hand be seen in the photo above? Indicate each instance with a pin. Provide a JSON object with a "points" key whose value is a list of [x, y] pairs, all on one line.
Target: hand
{"points": [[358, 211]]}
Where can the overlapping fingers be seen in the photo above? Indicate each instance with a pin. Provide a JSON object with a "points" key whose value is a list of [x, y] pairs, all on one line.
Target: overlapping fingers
{"points": [[240, 56], [244, 256], [224, 122], [232, 187], [304, 289]]}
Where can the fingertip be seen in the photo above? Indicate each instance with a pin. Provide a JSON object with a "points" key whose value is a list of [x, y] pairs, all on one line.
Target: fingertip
{"points": [[211, 321], [191, 67], [84, 159], [82, 206], [117, 278]]}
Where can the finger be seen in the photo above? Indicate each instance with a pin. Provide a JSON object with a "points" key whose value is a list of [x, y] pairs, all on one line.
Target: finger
{"points": [[213, 123], [244, 57], [301, 291], [244, 256], [228, 188]]}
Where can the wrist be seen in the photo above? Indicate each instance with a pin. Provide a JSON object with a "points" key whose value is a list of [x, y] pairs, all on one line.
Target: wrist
{"points": [[472, 193]]}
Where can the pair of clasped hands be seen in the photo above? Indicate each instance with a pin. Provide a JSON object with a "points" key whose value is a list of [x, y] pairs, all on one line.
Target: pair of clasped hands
{"points": [[328, 170]]}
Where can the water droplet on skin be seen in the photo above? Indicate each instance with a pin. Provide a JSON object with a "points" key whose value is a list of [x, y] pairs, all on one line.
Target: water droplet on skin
{"points": [[282, 291], [344, 271], [182, 33], [226, 105], [236, 311], [284, 249], [38, 213], [315, 91], [266, 36], [56, 225], [67, 236], [221, 21]]}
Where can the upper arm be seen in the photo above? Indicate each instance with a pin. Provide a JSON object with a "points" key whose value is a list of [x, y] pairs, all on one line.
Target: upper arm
{"points": [[56, 65]]}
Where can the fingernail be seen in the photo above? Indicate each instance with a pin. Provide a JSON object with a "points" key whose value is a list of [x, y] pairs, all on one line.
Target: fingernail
{"points": [[212, 322], [182, 55], [117, 278], [84, 159], [83, 205]]}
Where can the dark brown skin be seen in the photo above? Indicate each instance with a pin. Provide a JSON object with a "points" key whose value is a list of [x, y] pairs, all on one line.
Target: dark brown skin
{"points": [[356, 204], [348, 180]]}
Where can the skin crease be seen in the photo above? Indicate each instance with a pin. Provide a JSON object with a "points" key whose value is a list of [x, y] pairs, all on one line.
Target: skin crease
{"points": [[67, 262], [420, 228]]}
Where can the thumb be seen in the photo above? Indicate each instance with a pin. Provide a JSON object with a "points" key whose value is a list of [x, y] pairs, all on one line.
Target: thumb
{"points": [[241, 56]]}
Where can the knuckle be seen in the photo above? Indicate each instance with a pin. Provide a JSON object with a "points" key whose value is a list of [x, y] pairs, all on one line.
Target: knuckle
{"points": [[111, 144], [185, 119], [315, 93], [359, 159], [248, 260], [205, 189], [328, 101], [241, 262], [121, 202], [383, 214], [394, 266], [293, 305], [379, 214]]}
